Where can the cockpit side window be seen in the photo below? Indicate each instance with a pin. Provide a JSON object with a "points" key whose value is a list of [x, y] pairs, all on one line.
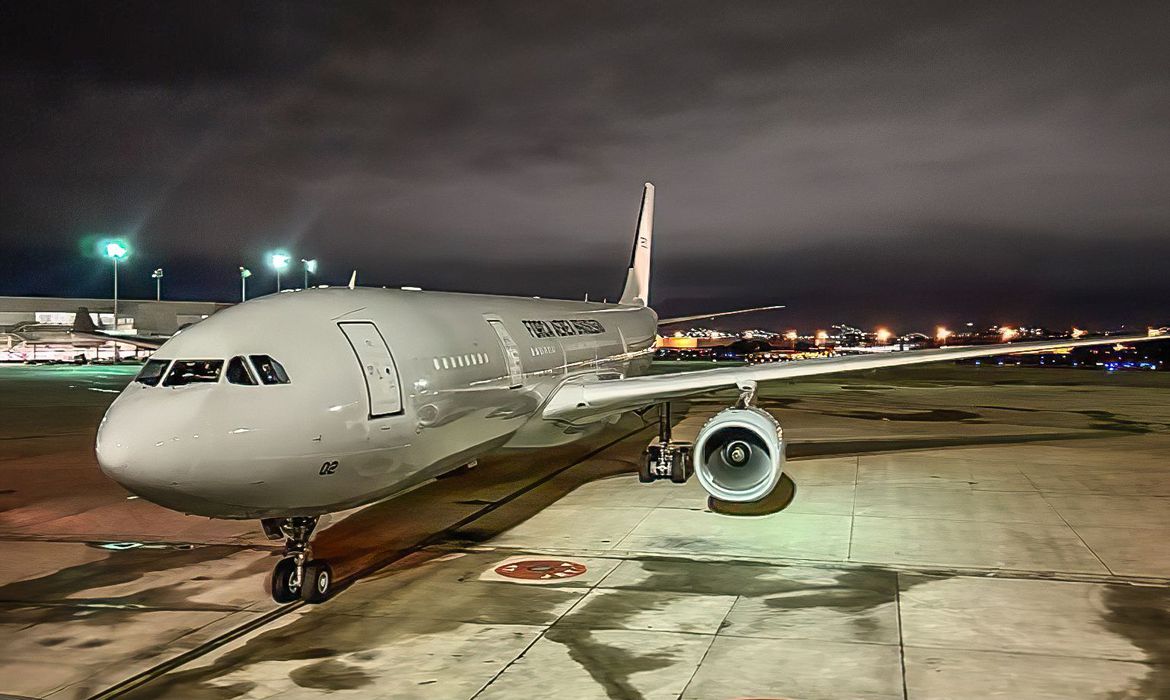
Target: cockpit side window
{"points": [[238, 373], [185, 372], [270, 371], [152, 372]]}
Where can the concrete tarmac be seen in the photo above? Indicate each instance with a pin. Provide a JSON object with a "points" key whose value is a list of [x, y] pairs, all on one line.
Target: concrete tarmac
{"points": [[956, 532]]}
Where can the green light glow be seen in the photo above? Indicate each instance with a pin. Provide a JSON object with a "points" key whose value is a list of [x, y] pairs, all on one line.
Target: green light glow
{"points": [[116, 250]]}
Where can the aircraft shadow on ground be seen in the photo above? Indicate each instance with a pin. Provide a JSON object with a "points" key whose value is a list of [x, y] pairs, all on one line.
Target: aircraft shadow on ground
{"points": [[506, 490]]}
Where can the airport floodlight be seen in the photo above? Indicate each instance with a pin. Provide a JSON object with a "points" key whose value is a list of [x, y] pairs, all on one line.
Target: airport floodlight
{"points": [[157, 275], [884, 335], [310, 269], [245, 273], [279, 262], [1078, 333], [116, 250], [1007, 333], [942, 333], [822, 337]]}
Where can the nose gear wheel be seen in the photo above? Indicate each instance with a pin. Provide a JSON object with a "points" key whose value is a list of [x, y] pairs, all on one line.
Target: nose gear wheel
{"points": [[296, 577]]}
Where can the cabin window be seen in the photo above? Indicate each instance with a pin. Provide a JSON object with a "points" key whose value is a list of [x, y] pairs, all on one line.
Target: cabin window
{"points": [[238, 373], [185, 372], [270, 371], [152, 372]]}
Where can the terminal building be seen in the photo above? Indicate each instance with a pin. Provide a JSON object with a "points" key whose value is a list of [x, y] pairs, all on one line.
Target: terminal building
{"points": [[38, 328]]}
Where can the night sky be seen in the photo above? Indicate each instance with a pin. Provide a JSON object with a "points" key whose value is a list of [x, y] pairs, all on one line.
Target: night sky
{"points": [[865, 162]]}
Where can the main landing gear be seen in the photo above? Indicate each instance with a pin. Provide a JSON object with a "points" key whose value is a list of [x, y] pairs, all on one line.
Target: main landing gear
{"points": [[665, 458], [296, 576]]}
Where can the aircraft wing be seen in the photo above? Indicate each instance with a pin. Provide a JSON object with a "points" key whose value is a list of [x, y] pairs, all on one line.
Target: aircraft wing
{"points": [[717, 314], [587, 398], [146, 342]]}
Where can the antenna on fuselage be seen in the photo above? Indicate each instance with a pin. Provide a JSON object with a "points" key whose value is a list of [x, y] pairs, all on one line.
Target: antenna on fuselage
{"points": [[353, 279]]}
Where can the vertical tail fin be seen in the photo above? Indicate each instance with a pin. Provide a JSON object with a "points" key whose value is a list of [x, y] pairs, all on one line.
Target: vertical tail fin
{"points": [[83, 322], [637, 289]]}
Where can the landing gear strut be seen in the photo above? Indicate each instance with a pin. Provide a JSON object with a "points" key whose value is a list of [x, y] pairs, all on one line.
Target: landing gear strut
{"points": [[296, 576], [665, 458]]}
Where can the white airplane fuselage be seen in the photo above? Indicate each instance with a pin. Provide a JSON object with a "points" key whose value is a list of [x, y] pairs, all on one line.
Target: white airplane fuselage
{"points": [[464, 374]]}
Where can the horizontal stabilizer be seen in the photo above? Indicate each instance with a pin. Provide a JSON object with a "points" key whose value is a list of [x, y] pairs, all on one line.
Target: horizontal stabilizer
{"points": [[681, 319]]}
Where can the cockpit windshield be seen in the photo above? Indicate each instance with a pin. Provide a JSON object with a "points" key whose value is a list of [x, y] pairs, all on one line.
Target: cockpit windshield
{"points": [[151, 372], [193, 372], [270, 371], [238, 372]]}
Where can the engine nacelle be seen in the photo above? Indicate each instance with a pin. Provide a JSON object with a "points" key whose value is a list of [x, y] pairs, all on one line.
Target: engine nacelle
{"points": [[739, 455]]}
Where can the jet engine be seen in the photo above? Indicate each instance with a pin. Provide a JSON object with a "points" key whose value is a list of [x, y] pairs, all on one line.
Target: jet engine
{"points": [[739, 454]]}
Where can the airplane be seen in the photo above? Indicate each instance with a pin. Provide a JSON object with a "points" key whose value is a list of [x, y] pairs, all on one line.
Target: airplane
{"points": [[288, 407], [85, 328], [83, 333]]}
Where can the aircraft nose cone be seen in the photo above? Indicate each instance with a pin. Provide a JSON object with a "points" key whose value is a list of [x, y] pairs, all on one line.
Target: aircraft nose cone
{"points": [[126, 454], [115, 451]]}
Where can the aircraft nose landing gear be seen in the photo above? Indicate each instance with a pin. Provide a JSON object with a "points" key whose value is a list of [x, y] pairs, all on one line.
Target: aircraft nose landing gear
{"points": [[297, 576]]}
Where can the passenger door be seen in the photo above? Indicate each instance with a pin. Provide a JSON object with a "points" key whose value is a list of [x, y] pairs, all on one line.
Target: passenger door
{"points": [[511, 353], [378, 368]]}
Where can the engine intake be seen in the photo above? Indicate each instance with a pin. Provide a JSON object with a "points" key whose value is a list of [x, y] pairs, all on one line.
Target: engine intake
{"points": [[739, 455]]}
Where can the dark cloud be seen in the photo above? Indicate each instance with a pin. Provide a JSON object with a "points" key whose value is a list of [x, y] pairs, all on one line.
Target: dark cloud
{"points": [[976, 151]]}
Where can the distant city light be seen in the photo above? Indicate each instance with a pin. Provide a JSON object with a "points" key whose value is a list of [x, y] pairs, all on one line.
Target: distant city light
{"points": [[790, 335], [941, 334]]}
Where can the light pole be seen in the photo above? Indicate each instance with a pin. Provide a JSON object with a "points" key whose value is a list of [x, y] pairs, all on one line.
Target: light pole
{"points": [[245, 273], [116, 250], [157, 275], [310, 268], [279, 262]]}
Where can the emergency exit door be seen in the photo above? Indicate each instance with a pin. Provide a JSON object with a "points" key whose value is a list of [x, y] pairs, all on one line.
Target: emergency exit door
{"points": [[377, 366], [511, 353]]}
